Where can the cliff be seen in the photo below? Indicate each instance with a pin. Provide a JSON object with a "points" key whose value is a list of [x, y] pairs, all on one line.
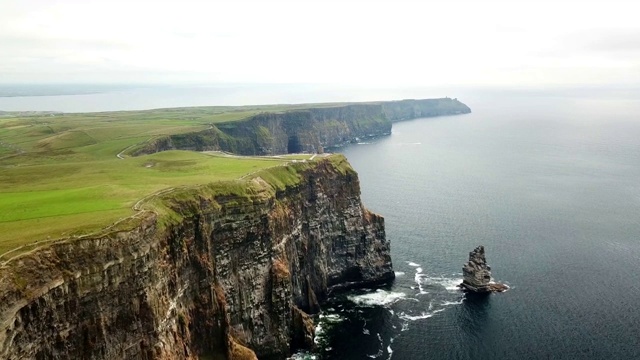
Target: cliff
{"points": [[409, 109], [308, 130], [227, 270]]}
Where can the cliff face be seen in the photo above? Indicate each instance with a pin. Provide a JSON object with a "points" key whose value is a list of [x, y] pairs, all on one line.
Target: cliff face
{"points": [[412, 109], [225, 268], [308, 130]]}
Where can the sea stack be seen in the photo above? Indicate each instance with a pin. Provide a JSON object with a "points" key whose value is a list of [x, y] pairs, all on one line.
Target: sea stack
{"points": [[477, 274]]}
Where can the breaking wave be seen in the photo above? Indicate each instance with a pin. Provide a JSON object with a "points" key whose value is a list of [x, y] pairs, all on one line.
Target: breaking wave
{"points": [[380, 298], [423, 315], [411, 300]]}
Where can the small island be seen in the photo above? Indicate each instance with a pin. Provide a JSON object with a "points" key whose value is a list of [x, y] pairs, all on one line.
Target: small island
{"points": [[477, 274]]}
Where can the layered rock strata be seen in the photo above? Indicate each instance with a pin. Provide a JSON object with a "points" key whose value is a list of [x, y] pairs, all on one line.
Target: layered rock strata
{"points": [[477, 274], [228, 270], [305, 130]]}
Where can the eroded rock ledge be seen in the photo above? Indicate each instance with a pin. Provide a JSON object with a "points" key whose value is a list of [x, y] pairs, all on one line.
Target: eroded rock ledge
{"points": [[228, 270]]}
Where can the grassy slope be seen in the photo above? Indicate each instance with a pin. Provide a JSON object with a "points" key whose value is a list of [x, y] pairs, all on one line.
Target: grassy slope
{"points": [[60, 175], [56, 199]]}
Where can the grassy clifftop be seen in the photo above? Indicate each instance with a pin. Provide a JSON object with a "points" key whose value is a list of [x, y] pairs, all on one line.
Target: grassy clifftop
{"points": [[70, 174], [52, 200]]}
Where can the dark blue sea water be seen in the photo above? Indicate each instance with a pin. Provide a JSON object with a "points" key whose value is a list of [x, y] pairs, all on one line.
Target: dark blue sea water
{"points": [[550, 185]]}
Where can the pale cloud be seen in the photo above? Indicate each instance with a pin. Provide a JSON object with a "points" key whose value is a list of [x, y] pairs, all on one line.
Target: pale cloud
{"points": [[349, 42]]}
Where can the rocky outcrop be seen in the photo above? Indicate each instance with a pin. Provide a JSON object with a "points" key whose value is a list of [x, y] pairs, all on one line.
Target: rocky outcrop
{"points": [[227, 270], [477, 274], [305, 130]]}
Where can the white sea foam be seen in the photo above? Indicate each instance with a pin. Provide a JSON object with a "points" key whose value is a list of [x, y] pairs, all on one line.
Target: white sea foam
{"points": [[449, 303], [399, 273], [318, 333], [412, 264], [380, 297], [302, 356], [451, 284], [389, 351], [447, 283], [324, 318], [330, 317], [423, 315], [379, 353]]}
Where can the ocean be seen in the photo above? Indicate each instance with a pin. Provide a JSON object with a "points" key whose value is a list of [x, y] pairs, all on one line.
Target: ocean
{"points": [[550, 185], [547, 181]]}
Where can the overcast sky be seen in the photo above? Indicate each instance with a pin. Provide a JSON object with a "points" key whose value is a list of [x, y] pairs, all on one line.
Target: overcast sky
{"points": [[399, 43]]}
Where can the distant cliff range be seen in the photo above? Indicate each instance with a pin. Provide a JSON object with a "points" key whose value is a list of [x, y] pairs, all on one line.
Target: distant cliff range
{"points": [[305, 130]]}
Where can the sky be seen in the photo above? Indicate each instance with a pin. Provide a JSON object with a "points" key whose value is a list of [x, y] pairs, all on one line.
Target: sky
{"points": [[394, 43]]}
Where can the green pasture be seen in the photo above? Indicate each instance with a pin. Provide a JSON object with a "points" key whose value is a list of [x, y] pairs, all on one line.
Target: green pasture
{"points": [[60, 176], [54, 200]]}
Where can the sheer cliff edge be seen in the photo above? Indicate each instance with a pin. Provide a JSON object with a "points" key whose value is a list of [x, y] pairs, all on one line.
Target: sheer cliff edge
{"points": [[226, 270], [308, 129]]}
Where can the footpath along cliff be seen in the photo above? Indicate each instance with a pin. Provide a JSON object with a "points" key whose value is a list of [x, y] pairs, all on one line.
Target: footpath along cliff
{"points": [[227, 270]]}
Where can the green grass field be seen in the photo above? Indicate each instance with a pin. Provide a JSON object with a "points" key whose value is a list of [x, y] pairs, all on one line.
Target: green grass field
{"points": [[60, 175]]}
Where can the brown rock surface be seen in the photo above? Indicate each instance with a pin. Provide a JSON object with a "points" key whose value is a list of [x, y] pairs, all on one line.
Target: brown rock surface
{"points": [[477, 274], [223, 275]]}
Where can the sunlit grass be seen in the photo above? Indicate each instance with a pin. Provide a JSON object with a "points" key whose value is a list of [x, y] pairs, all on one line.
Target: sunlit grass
{"points": [[60, 175], [106, 188]]}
